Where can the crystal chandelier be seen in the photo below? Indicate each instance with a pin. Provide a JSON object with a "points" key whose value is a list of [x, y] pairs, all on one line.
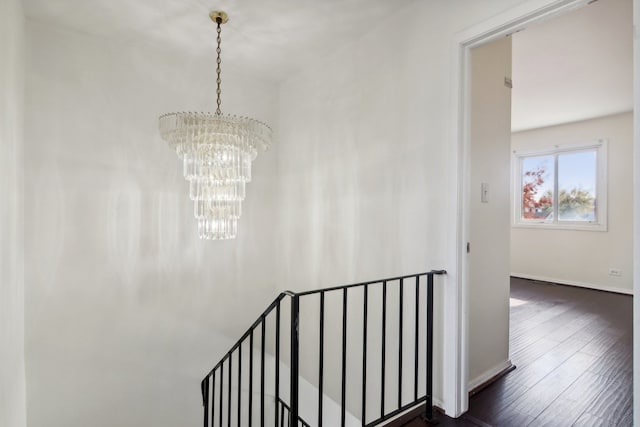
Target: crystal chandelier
{"points": [[217, 151]]}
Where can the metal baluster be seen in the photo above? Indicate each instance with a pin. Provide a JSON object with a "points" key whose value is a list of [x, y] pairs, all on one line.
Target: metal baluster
{"points": [[295, 354], [417, 351], [364, 354], [321, 361], [277, 379], [205, 400], [213, 397], [400, 304], [281, 414], [221, 390], [384, 339], [262, 351], [239, 384], [250, 377], [344, 356], [429, 405], [229, 387]]}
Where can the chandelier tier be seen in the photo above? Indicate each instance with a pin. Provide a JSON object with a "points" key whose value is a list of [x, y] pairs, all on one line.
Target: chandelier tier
{"points": [[216, 151]]}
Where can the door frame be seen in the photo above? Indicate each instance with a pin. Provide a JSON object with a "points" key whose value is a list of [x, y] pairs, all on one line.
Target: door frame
{"points": [[455, 390]]}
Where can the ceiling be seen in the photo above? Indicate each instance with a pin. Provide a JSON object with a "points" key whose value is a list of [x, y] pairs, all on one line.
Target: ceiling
{"points": [[573, 67], [272, 37]]}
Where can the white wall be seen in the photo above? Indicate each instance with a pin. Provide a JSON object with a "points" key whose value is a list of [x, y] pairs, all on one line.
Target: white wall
{"points": [[490, 140], [583, 257], [12, 366], [367, 166], [126, 309]]}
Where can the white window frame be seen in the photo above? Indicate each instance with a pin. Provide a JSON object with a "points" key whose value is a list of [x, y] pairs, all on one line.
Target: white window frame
{"points": [[600, 224]]}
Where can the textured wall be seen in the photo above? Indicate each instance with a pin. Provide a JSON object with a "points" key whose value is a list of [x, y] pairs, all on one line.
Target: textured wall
{"points": [[12, 366], [126, 308]]}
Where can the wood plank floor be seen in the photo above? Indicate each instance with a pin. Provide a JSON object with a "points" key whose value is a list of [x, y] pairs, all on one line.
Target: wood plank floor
{"points": [[573, 351]]}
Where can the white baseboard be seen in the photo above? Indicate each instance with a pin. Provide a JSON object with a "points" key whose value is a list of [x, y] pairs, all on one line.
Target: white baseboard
{"points": [[488, 375], [574, 283]]}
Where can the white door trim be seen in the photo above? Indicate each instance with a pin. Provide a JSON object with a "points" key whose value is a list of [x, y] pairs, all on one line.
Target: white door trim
{"points": [[456, 339]]}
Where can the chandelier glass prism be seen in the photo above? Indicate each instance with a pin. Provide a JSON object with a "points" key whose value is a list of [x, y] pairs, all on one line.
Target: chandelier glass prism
{"points": [[217, 151]]}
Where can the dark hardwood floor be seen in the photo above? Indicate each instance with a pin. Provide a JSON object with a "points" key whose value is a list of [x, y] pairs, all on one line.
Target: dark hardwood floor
{"points": [[573, 351]]}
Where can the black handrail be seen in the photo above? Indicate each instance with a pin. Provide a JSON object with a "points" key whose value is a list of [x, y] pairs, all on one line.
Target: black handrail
{"points": [[225, 367]]}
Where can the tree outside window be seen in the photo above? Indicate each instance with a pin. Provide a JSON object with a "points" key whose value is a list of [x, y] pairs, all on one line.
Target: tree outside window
{"points": [[562, 187]]}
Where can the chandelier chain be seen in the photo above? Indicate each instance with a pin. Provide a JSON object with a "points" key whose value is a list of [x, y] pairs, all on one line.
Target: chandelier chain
{"points": [[218, 62]]}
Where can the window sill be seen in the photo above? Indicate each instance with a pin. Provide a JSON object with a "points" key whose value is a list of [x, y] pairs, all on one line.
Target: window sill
{"points": [[555, 226]]}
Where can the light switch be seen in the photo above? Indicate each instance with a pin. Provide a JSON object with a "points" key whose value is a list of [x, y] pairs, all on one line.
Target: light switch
{"points": [[484, 192]]}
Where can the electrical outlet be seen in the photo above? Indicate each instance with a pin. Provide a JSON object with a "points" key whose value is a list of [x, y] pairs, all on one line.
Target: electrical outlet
{"points": [[615, 272]]}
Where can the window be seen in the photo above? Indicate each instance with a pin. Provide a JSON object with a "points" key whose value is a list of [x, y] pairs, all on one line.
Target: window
{"points": [[563, 187]]}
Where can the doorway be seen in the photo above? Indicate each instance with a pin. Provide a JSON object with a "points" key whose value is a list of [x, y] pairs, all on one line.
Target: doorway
{"points": [[509, 22]]}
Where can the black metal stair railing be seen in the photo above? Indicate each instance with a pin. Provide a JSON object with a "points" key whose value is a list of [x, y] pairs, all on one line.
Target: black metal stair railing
{"points": [[231, 397]]}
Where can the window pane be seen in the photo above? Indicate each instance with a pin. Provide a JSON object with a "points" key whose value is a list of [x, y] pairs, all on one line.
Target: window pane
{"points": [[537, 187], [577, 186]]}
